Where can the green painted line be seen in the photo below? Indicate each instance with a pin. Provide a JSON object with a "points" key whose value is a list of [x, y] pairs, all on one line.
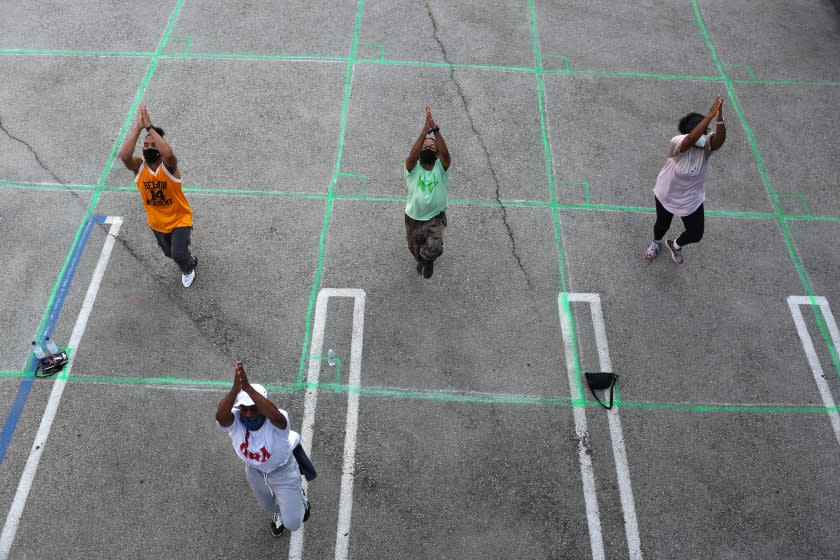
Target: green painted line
{"points": [[238, 192], [746, 67], [771, 192], [186, 41], [338, 363], [363, 180], [53, 52], [362, 197], [759, 409], [322, 238], [186, 55], [828, 83], [565, 309], [558, 236], [799, 197], [447, 65], [810, 218], [247, 56], [377, 46], [46, 186], [442, 396], [631, 74], [366, 198]]}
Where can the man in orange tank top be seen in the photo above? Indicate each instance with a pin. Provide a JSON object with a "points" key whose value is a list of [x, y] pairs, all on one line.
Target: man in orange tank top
{"points": [[158, 179]]}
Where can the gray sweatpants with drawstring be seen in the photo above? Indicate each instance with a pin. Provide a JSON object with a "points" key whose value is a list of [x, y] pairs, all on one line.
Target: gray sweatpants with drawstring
{"points": [[279, 491]]}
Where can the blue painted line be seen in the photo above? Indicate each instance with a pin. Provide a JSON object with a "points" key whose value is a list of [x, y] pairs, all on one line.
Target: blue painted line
{"points": [[58, 302]]}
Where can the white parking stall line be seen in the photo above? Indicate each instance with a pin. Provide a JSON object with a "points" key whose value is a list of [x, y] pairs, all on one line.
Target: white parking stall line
{"points": [[345, 504], [794, 303], [25, 484], [625, 489], [310, 403], [628, 507], [587, 473]]}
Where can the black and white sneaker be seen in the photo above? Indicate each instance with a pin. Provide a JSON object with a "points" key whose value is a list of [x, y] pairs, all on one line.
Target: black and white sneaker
{"points": [[307, 512], [277, 527]]}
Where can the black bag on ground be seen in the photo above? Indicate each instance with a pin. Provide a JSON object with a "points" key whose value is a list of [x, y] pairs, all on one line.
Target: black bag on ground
{"points": [[600, 380]]}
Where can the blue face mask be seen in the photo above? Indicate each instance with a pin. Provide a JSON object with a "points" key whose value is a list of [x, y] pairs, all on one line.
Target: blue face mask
{"points": [[252, 424]]}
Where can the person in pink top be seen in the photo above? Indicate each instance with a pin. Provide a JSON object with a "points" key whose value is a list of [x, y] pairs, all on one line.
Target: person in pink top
{"points": [[681, 184]]}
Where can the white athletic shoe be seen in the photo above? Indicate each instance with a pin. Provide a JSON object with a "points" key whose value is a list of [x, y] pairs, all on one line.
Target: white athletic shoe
{"points": [[187, 279]]}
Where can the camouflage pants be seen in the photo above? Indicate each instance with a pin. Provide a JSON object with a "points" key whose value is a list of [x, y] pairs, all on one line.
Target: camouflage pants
{"points": [[425, 239]]}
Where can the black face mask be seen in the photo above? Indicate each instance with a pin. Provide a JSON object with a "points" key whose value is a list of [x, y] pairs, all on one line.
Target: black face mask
{"points": [[151, 155], [428, 156]]}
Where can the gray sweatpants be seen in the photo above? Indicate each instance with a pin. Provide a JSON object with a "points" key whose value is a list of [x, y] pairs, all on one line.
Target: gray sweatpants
{"points": [[279, 491]]}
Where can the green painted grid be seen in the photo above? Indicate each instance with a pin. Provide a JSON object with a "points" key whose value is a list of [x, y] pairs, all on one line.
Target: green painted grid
{"points": [[565, 71], [361, 196], [322, 239], [771, 192], [437, 395], [552, 204]]}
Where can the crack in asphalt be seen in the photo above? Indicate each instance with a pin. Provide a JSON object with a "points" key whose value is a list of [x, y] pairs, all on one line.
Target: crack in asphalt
{"points": [[463, 97], [36, 156], [205, 318]]}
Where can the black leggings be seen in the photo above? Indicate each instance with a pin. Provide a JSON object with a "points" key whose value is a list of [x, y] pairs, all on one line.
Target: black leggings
{"points": [[693, 225]]}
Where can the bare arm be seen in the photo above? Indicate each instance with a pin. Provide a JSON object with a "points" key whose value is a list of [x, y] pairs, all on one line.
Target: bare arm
{"points": [[127, 149], [224, 416], [442, 150], [414, 153], [166, 153], [719, 135], [698, 130], [264, 406]]}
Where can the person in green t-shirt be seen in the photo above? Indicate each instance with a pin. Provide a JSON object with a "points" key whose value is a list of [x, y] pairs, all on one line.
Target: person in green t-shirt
{"points": [[425, 210]]}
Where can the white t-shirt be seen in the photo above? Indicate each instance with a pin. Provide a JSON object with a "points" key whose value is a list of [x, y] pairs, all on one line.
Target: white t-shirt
{"points": [[265, 449], [681, 184]]}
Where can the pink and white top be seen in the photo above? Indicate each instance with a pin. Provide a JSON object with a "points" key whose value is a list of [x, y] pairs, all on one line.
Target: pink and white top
{"points": [[681, 184]]}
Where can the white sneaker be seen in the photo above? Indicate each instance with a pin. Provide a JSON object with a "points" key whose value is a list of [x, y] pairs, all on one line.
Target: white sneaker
{"points": [[187, 279]]}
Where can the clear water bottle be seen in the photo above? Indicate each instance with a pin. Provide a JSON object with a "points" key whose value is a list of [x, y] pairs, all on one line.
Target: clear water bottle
{"points": [[37, 350], [51, 347], [331, 357]]}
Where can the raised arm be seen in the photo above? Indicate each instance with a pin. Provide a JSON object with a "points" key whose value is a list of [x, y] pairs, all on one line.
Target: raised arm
{"points": [[719, 136], [166, 153], [698, 130], [127, 149], [440, 143], [224, 416], [264, 406], [414, 153]]}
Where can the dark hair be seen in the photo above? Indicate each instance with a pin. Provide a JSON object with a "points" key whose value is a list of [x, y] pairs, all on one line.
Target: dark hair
{"points": [[159, 130], [688, 122]]}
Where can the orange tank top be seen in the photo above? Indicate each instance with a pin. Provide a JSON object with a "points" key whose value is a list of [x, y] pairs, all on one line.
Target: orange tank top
{"points": [[166, 206]]}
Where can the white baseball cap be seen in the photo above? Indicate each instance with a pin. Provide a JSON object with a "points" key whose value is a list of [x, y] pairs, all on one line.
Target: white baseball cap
{"points": [[244, 399]]}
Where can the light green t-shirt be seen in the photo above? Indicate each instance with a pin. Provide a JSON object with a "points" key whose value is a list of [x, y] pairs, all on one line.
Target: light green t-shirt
{"points": [[426, 191]]}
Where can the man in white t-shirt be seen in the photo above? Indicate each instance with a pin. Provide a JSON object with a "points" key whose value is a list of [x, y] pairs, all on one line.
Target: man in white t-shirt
{"points": [[271, 451], [681, 184]]}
